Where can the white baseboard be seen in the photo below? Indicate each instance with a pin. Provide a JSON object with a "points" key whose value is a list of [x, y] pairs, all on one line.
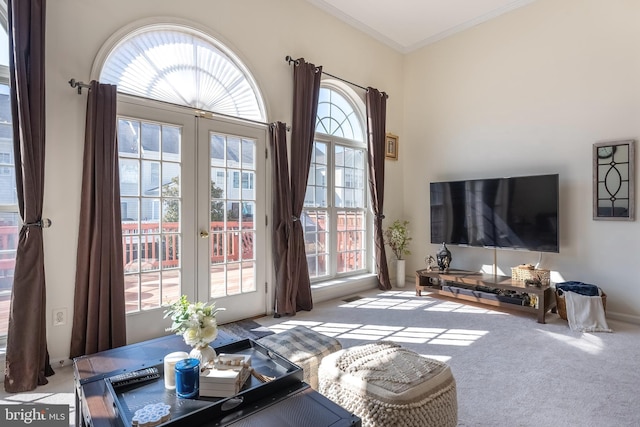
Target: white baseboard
{"points": [[623, 317]]}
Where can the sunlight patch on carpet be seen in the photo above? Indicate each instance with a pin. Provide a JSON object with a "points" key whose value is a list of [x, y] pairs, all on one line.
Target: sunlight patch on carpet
{"points": [[400, 334]]}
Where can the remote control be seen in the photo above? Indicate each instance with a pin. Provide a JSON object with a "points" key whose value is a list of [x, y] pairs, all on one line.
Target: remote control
{"points": [[134, 377]]}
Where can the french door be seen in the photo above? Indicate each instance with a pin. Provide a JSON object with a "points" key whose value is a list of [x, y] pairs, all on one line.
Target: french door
{"points": [[192, 190]]}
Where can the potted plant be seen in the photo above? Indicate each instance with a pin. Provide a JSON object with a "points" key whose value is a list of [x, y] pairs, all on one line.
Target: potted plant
{"points": [[397, 238]]}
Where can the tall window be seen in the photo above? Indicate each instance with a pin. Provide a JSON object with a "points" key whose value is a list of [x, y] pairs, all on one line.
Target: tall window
{"points": [[335, 209], [168, 247], [9, 214]]}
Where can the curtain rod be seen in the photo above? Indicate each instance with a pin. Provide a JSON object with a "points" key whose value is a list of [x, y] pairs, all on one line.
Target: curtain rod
{"points": [[74, 83], [289, 59], [201, 113]]}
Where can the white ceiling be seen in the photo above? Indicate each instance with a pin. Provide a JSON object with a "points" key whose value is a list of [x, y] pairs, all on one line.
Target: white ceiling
{"points": [[406, 25]]}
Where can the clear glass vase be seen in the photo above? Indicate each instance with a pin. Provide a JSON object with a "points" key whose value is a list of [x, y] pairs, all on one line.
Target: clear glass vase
{"points": [[205, 354]]}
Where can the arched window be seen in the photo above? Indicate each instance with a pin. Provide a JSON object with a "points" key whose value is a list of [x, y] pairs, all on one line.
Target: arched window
{"points": [[182, 66], [335, 210]]}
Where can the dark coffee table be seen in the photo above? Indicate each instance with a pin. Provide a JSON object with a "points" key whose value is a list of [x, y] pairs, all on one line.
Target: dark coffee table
{"points": [[294, 405]]}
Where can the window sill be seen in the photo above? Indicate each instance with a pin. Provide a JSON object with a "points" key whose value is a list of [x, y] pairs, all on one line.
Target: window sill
{"points": [[341, 287]]}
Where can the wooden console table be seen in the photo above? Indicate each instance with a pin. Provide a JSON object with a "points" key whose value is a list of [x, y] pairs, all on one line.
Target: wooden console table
{"points": [[465, 285]]}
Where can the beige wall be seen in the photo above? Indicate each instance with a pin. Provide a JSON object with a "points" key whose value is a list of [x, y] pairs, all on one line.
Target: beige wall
{"points": [[261, 33], [529, 93]]}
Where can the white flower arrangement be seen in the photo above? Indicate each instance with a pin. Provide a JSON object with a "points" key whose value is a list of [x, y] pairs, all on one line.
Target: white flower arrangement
{"points": [[397, 237], [196, 322]]}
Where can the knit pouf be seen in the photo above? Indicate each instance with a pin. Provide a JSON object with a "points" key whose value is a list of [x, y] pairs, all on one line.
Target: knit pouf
{"points": [[387, 385], [303, 347]]}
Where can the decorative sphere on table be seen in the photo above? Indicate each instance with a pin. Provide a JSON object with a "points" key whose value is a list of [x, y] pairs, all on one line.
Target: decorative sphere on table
{"points": [[444, 258]]}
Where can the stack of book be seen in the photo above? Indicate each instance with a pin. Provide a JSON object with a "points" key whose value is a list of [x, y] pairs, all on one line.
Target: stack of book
{"points": [[226, 377]]}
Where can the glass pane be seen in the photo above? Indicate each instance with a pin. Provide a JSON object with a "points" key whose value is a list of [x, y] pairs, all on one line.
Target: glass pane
{"points": [[322, 265], [309, 199], [233, 246], [4, 47], [128, 138], [171, 138], [321, 197], [150, 141], [170, 286], [129, 177], [339, 155], [130, 251], [339, 201], [248, 186], [233, 151], [171, 215], [217, 150], [217, 215], [129, 211], [150, 216], [358, 159], [218, 281], [218, 246], [248, 220], [310, 243], [8, 244], [150, 178], [248, 245], [171, 179], [218, 183], [170, 251], [150, 291], [131, 293], [233, 214], [234, 281], [248, 277], [248, 154], [150, 252], [321, 153], [339, 177]]}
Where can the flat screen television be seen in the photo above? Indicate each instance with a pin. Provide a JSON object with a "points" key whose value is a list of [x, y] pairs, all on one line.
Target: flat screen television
{"points": [[505, 213]]}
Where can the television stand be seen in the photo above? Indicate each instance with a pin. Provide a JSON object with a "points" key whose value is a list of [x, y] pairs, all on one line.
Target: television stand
{"points": [[499, 291]]}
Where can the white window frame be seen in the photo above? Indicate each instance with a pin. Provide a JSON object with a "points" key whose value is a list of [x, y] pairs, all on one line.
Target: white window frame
{"points": [[331, 210]]}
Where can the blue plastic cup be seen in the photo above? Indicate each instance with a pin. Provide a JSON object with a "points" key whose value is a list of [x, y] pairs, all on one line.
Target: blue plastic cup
{"points": [[188, 378]]}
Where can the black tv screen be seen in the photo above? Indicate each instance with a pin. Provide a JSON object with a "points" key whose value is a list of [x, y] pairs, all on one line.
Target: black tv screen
{"points": [[506, 213]]}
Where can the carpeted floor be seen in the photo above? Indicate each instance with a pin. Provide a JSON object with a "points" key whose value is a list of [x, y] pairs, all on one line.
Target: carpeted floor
{"points": [[510, 370]]}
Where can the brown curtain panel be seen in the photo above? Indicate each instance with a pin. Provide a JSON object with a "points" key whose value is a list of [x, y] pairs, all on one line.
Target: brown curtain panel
{"points": [[98, 308], [306, 91], [27, 357], [376, 123], [282, 221]]}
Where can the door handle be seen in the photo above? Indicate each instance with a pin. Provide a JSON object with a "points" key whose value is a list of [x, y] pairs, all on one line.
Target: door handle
{"points": [[204, 234]]}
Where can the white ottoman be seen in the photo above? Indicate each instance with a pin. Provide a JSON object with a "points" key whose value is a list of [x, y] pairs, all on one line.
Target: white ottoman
{"points": [[303, 347], [387, 385]]}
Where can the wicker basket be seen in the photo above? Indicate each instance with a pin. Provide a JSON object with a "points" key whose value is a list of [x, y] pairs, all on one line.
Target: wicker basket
{"points": [[561, 305], [523, 273]]}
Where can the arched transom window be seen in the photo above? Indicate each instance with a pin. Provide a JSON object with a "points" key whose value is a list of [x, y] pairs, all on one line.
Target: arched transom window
{"points": [[184, 67]]}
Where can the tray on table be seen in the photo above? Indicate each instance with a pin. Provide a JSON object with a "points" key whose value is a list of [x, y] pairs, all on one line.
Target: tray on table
{"points": [[126, 400]]}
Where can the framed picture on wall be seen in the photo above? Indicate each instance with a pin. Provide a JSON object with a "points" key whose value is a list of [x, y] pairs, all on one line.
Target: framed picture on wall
{"points": [[391, 147]]}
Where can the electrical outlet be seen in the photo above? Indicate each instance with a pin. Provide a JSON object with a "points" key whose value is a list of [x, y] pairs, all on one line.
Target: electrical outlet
{"points": [[59, 316]]}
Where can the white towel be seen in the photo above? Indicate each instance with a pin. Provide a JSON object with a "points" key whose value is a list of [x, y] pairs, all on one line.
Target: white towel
{"points": [[585, 313]]}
